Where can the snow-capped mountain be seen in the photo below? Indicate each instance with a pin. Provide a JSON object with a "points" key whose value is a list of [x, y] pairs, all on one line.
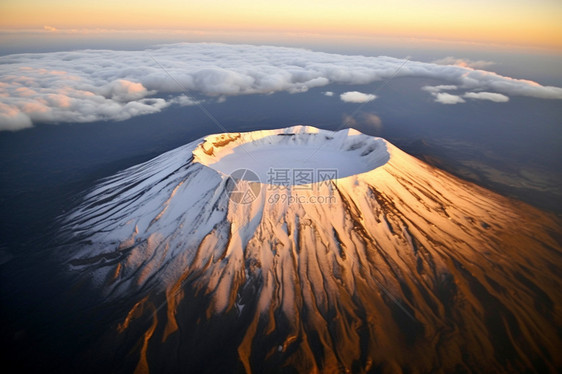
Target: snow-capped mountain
{"points": [[317, 251]]}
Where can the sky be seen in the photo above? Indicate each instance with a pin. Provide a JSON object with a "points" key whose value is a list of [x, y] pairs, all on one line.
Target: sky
{"points": [[522, 23], [78, 81]]}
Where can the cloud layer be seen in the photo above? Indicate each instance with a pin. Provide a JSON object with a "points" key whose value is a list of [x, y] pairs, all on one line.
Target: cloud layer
{"points": [[91, 85], [447, 98]]}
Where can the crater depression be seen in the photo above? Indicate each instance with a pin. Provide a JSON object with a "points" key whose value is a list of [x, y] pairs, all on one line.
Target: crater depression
{"points": [[293, 150]]}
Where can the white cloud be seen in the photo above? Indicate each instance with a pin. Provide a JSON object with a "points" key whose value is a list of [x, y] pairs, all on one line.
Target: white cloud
{"points": [[357, 97], [183, 100], [435, 89], [446, 98], [492, 96], [328, 93], [91, 85], [123, 90], [464, 62], [49, 28]]}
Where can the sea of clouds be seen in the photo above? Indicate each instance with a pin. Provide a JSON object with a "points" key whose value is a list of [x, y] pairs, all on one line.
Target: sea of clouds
{"points": [[93, 85]]}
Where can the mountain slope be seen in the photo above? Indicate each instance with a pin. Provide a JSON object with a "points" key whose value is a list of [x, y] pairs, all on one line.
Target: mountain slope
{"points": [[393, 266]]}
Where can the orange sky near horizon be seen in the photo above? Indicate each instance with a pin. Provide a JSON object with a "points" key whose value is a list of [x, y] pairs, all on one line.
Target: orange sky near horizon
{"points": [[516, 22]]}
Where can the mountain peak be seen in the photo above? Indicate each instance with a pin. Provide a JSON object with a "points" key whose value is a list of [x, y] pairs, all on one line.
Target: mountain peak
{"points": [[369, 260]]}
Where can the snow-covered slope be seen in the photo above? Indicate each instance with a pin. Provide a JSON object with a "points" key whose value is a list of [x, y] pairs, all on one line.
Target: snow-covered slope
{"points": [[386, 264]]}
